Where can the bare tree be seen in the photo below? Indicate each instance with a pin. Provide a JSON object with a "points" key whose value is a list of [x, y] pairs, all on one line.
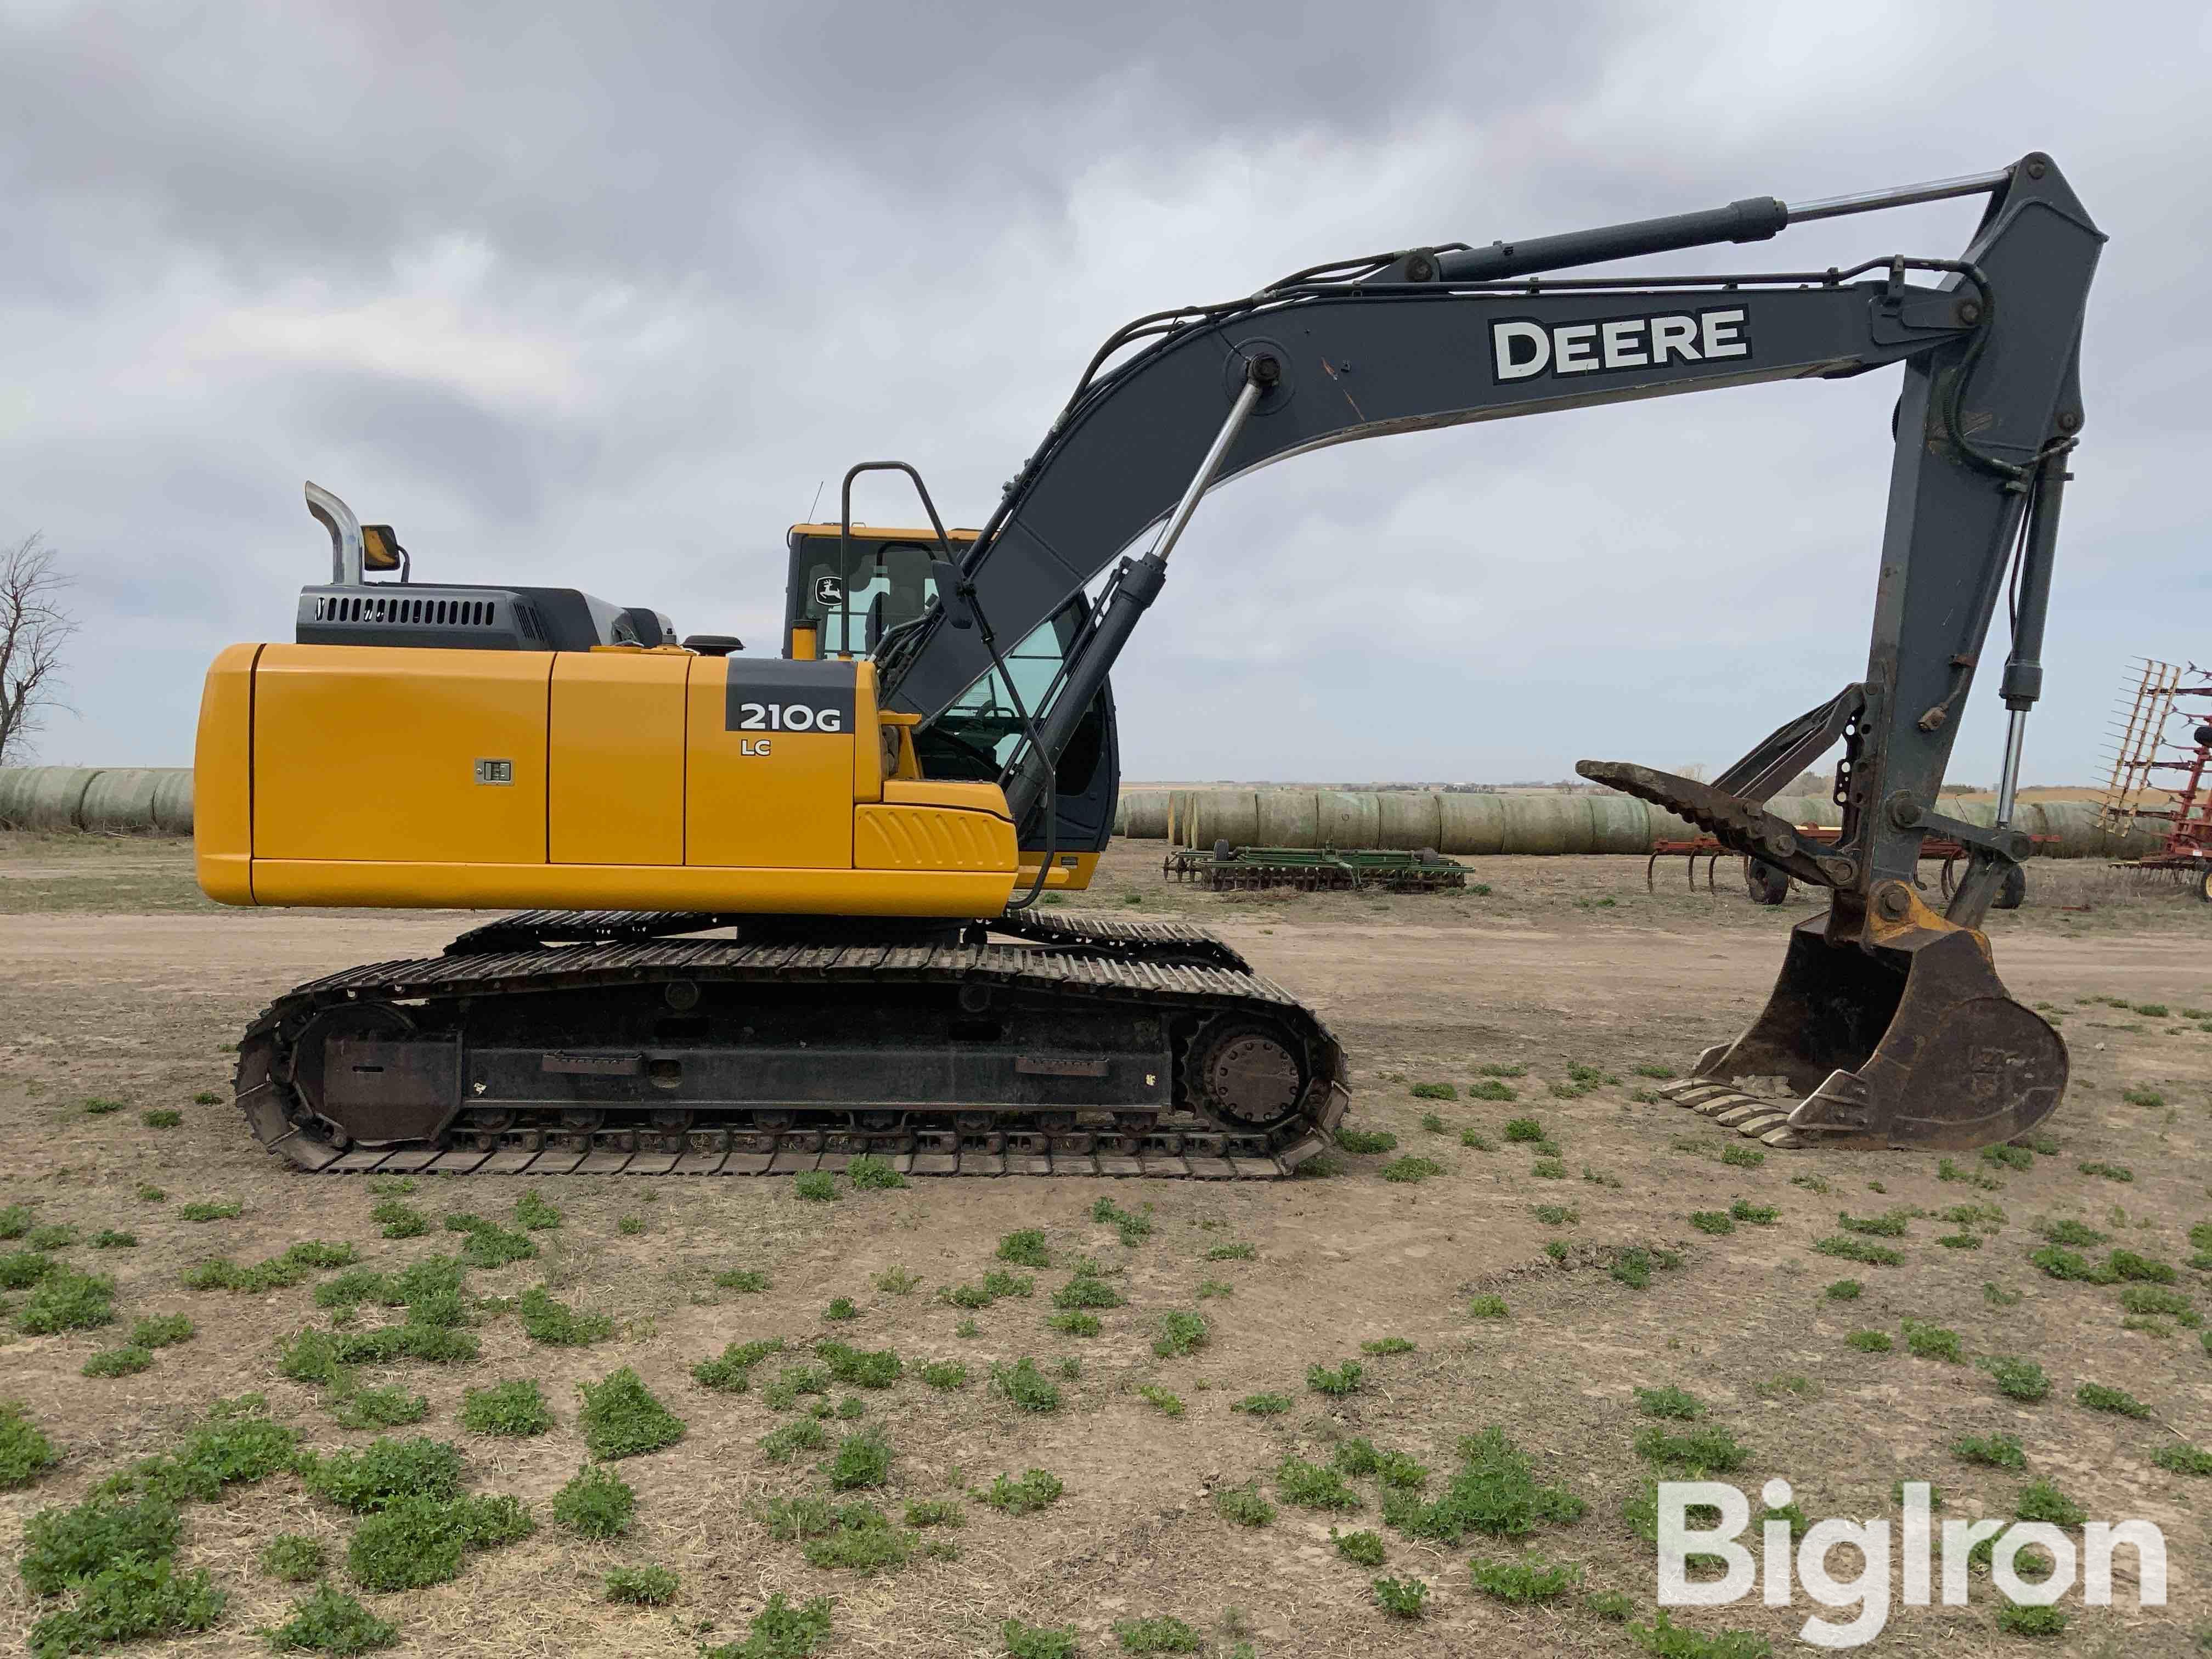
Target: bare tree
{"points": [[33, 628]]}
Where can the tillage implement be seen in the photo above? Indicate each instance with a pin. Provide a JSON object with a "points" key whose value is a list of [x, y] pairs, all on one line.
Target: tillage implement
{"points": [[778, 912]]}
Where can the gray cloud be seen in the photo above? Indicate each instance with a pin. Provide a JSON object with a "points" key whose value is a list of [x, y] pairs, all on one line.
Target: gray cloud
{"points": [[600, 295]]}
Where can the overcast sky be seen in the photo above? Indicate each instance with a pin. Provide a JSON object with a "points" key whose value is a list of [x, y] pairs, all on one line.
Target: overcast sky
{"points": [[599, 296]]}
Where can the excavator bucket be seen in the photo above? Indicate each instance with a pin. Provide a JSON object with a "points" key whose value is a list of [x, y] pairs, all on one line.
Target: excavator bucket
{"points": [[1901, 1036]]}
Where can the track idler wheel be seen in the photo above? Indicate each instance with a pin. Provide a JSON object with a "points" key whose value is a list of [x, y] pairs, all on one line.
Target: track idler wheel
{"points": [[1901, 1036], [1245, 1076]]}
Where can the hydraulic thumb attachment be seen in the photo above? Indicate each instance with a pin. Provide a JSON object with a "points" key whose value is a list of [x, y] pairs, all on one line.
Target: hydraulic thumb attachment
{"points": [[1888, 1024]]}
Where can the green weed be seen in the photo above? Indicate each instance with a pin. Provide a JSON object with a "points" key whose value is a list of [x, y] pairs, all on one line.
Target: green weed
{"points": [[329, 1621], [2117, 1401], [118, 1362], [1669, 1402], [1180, 1332], [1404, 1598], [516, 1409], [862, 1460], [596, 1502], [1531, 1578], [1870, 1341], [558, 1325], [643, 1587], [1023, 1384], [1367, 1140], [621, 1418], [293, 1558], [870, 1174], [1344, 1380], [1363, 1548], [125, 1601], [1999, 1451], [1858, 1250], [1038, 1489], [1169, 1403], [945, 1374], [1025, 1249], [817, 1186], [1245, 1506], [24, 1451], [746, 1280], [1309, 1486]]}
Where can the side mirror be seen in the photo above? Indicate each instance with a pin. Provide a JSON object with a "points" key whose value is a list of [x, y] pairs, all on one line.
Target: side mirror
{"points": [[380, 549], [949, 583]]}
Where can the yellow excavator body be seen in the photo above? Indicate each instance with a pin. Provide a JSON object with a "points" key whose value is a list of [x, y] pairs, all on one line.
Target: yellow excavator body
{"points": [[619, 778]]}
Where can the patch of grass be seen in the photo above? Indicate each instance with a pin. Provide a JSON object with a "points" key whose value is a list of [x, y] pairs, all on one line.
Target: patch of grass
{"points": [[1870, 1341], [1245, 1506], [1363, 1548], [1960, 1241], [1707, 1450], [398, 1220], [17, 1219], [643, 1587], [1038, 1641], [1238, 1252], [421, 1541], [2063, 1264], [1412, 1169], [126, 1361], [630, 1225], [2138, 1269], [1038, 1489], [1531, 1578], [1025, 1385], [1170, 1404], [2072, 1233], [860, 1368], [1742, 1158], [59, 1236], [1495, 1491], [1403, 1598], [378, 1408], [1556, 1215], [107, 1238], [20, 1269], [1549, 1169], [2019, 1379], [1491, 1088], [1756, 1215], [945, 1374], [2011, 1157], [1359, 1455], [219, 1209], [1081, 1324], [620, 1417], [1475, 1141], [1086, 1290], [24, 1451], [2017, 1618], [1025, 1249], [815, 1186], [1844, 1290], [1524, 1129], [1669, 1402], [840, 1308], [67, 1300], [2176, 1458], [2117, 1401], [1160, 1634], [2110, 1171], [1367, 1140], [1132, 1226], [1932, 1342], [129, 1600], [516, 1409], [293, 1558], [63, 1546], [1890, 1225], [2041, 1501], [1387, 1345], [1487, 1307], [1434, 1092], [596, 1503], [2157, 1299], [384, 1473], [1999, 1451], [779, 1630], [1263, 1405], [1850, 1249], [746, 1280], [1666, 1639], [558, 1325], [781, 1443], [731, 1372], [1309, 1486], [994, 1284], [870, 1174], [163, 1119], [1344, 1380], [101, 1108], [862, 1460], [330, 1621], [1711, 1221], [1180, 1332]]}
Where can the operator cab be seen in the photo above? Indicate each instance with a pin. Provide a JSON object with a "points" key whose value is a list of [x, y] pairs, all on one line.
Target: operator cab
{"points": [[350, 610], [845, 592]]}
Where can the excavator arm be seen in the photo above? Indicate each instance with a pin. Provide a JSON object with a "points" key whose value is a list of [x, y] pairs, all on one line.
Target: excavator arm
{"points": [[1889, 1020]]}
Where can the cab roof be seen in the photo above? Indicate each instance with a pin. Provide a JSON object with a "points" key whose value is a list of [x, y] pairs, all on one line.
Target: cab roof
{"points": [[876, 532]]}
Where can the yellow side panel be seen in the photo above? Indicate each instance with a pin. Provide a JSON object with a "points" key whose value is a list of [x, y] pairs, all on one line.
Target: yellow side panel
{"points": [[614, 765], [867, 735], [1070, 872], [373, 753], [930, 838], [970, 797], [762, 796], [958, 893], [223, 779]]}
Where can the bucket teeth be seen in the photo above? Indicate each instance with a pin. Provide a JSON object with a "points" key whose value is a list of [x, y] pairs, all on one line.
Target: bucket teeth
{"points": [[1766, 1122]]}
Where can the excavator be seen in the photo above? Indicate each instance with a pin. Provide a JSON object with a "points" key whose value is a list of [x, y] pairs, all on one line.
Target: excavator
{"points": [[779, 914]]}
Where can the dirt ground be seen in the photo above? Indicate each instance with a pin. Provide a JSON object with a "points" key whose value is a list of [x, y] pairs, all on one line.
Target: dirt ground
{"points": [[117, 981]]}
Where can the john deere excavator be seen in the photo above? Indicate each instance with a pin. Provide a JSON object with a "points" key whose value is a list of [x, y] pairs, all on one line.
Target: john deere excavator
{"points": [[785, 908]]}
